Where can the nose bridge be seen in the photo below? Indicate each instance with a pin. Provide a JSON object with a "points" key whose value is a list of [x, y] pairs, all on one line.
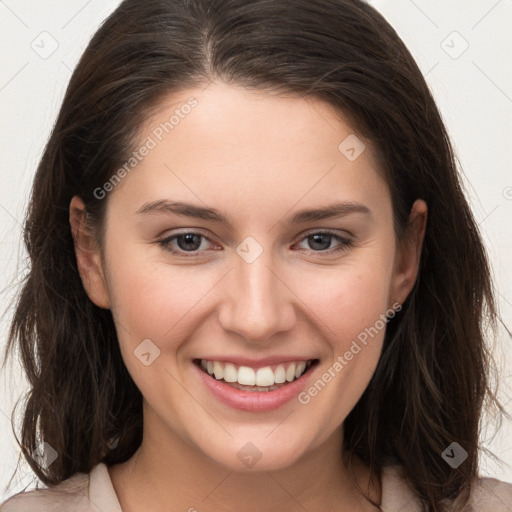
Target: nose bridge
{"points": [[256, 304]]}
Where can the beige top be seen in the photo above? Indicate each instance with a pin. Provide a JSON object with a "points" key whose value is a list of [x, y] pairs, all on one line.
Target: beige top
{"points": [[94, 492]]}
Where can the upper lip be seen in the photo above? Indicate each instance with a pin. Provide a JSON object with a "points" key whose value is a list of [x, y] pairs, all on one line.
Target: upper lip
{"points": [[257, 363]]}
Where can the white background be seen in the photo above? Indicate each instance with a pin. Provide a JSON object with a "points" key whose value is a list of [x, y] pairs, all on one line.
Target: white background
{"points": [[473, 91]]}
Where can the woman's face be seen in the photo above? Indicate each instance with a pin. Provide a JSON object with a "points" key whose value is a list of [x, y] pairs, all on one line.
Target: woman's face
{"points": [[216, 250]]}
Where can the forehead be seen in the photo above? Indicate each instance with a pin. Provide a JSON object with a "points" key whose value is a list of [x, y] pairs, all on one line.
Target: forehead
{"points": [[249, 149]]}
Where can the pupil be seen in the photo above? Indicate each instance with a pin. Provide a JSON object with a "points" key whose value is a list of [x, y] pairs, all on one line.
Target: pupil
{"points": [[315, 240], [189, 238]]}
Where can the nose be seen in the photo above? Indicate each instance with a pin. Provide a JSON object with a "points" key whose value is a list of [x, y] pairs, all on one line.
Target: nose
{"points": [[257, 302]]}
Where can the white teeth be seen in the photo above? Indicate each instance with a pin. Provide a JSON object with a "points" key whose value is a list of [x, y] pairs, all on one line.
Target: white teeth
{"points": [[279, 375], [246, 376], [230, 372], [290, 373], [263, 377], [300, 368], [218, 370]]}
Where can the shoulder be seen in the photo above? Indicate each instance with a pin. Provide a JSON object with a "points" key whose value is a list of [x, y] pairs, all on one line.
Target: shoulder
{"points": [[487, 494], [491, 495], [70, 494], [82, 492]]}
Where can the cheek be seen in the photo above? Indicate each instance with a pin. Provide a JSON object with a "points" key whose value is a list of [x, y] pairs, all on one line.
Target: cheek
{"points": [[151, 297], [351, 304], [154, 301], [356, 318], [347, 300]]}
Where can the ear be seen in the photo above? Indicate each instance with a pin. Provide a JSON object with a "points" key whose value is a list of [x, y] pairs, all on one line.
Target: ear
{"points": [[409, 252], [87, 254]]}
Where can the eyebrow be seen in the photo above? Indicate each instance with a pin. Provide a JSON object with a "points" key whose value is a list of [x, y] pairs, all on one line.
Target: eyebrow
{"points": [[332, 210]]}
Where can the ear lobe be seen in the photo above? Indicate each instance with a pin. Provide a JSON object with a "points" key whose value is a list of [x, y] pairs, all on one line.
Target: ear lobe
{"points": [[409, 253], [87, 254]]}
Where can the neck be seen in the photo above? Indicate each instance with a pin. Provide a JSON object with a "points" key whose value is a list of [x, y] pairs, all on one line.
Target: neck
{"points": [[175, 475]]}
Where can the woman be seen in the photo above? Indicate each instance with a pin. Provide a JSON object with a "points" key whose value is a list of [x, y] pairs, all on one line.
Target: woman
{"points": [[258, 368]]}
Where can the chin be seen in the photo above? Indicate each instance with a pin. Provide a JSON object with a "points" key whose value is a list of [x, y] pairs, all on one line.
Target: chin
{"points": [[256, 455]]}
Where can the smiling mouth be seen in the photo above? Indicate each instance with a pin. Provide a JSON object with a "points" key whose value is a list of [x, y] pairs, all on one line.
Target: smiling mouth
{"points": [[245, 378]]}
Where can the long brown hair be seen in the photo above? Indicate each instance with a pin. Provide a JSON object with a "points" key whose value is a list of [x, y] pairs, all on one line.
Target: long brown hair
{"points": [[432, 380]]}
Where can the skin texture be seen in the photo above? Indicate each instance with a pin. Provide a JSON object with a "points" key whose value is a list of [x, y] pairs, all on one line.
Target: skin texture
{"points": [[257, 158]]}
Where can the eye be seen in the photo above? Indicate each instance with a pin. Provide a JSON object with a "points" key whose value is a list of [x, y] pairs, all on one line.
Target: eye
{"points": [[189, 243], [320, 241]]}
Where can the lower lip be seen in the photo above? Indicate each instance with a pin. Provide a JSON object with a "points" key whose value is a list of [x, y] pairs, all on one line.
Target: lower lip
{"points": [[254, 401]]}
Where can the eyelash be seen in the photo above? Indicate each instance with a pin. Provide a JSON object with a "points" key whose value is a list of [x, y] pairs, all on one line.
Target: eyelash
{"points": [[344, 243]]}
